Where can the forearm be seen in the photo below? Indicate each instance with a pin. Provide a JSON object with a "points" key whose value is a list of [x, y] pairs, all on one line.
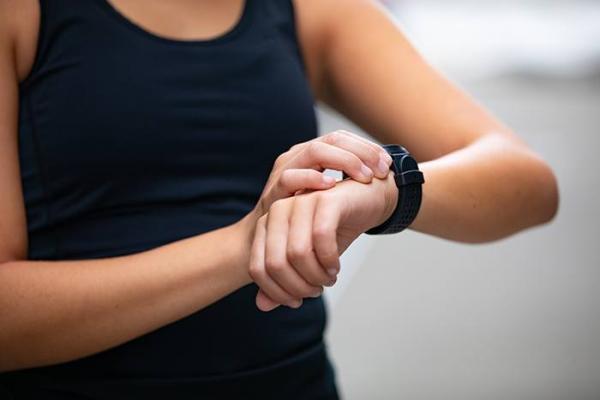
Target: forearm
{"points": [[490, 189], [56, 311]]}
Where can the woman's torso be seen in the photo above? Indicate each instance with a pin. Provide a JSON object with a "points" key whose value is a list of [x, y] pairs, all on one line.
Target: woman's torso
{"points": [[129, 140]]}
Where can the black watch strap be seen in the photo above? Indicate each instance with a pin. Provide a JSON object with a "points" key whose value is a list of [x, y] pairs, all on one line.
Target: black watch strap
{"points": [[409, 181]]}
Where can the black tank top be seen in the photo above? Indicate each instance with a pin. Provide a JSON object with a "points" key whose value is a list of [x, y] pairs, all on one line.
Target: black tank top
{"points": [[129, 141]]}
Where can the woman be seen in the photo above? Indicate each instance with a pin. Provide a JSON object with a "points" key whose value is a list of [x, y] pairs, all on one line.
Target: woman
{"points": [[162, 187]]}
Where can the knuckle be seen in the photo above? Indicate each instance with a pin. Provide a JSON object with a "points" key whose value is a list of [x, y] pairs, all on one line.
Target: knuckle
{"points": [[321, 231], [274, 267], [277, 205], [262, 220], [314, 147], [255, 272], [296, 147], [333, 137], [298, 252], [280, 160], [284, 178], [325, 197]]}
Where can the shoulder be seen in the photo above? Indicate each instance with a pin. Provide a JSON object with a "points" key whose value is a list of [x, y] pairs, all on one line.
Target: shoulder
{"points": [[323, 24], [19, 26], [328, 15]]}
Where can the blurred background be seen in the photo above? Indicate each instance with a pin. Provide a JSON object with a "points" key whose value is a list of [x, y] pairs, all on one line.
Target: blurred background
{"points": [[414, 317]]}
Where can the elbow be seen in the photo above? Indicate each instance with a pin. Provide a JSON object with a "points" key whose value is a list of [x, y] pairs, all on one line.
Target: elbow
{"points": [[18, 348], [8, 358], [553, 197], [537, 203], [5, 364], [14, 339], [547, 197], [538, 189], [536, 193]]}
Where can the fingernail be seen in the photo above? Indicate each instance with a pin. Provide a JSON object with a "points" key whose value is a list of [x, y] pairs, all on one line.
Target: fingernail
{"points": [[328, 180], [332, 271], [366, 171], [387, 158], [315, 295], [383, 166]]}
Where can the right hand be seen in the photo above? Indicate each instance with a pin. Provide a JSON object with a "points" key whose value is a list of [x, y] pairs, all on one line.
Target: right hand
{"points": [[301, 167]]}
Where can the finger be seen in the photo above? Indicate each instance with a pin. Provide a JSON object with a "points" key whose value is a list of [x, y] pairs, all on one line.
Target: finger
{"points": [[264, 302], [371, 154], [293, 180], [324, 233], [259, 274], [300, 247], [284, 158], [341, 138], [276, 262], [361, 138], [320, 155], [383, 153]]}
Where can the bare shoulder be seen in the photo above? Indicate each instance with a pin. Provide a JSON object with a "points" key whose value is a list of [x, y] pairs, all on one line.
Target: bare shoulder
{"points": [[320, 21], [19, 26], [18, 36]]}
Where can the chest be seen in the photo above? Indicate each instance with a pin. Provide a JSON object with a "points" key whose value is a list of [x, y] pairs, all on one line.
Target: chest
{"points": [[106, 101]]}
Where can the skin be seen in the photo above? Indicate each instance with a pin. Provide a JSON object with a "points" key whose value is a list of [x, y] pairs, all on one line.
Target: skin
{"points": [[482, 183]]}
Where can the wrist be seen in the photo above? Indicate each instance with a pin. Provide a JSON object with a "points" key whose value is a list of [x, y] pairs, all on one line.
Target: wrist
{"points": [[409, 180], [390, 195], [243, 232]]}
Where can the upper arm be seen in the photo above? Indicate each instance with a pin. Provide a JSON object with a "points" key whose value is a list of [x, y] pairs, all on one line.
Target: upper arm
{"points": [[13, 227], [371, 73]]}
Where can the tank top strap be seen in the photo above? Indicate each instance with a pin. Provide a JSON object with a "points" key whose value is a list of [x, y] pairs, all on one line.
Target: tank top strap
{"points": [[277, 13], [280, 17]]}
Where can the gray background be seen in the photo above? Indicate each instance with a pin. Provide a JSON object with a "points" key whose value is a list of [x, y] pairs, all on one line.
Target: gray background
{"points": [[423, 318]]}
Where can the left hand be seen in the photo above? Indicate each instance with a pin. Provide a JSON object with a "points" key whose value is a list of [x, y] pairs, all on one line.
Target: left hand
{"points": [[297, 244]]}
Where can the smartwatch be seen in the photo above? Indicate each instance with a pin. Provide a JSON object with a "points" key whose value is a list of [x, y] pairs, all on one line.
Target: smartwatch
{"points": [[409, 181]]}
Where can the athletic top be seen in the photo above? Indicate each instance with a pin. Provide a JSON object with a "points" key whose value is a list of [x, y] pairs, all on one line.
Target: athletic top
{"points": [[128, 141]]}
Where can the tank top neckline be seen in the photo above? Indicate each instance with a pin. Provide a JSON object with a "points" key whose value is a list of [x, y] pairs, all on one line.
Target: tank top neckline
{"points": [[240, 24]]}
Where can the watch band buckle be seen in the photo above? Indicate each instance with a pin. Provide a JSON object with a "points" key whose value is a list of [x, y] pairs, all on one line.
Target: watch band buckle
{"points": [[409, 177]]}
